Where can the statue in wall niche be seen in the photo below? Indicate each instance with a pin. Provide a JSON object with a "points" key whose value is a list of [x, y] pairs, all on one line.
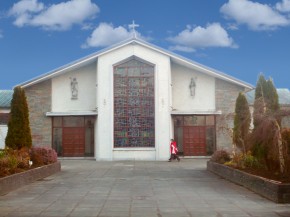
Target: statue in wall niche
{"points": [[192, 86], [74, 88]]}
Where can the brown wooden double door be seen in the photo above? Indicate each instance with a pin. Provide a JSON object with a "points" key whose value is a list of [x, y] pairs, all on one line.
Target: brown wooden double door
{"points": [[73, 141], [194, 141]]}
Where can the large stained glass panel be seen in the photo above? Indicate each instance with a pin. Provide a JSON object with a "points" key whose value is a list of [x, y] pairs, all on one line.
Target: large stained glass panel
{"points": [[134, 116]]}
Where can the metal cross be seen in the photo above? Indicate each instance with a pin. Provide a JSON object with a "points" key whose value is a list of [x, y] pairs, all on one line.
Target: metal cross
{"points": [[133, 26]]}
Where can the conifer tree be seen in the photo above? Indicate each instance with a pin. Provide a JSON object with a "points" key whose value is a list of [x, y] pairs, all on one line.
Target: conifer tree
{"points": [[267, 140], [271, 97], [259, 103], [242, 123], [19, 134]]}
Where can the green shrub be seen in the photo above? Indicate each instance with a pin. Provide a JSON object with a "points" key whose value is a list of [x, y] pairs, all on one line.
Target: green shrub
{"points": [[19, 134], [245, 161], [249, 161], [12, 162]]}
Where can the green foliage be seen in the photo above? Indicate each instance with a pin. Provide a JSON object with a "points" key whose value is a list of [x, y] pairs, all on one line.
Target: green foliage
{"points": [[259, 151], [244, 160], [249, 161], [13, 161], [259, 99], [265, 135], [242, 123], [271, 96], [220, 156], [19, 134]]}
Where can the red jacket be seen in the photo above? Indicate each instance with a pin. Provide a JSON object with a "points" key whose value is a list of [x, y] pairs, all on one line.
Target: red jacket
{"points": [[173, 148]]}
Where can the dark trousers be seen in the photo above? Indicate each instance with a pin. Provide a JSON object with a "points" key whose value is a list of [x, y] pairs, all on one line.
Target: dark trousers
{"points": [[173, 157]]}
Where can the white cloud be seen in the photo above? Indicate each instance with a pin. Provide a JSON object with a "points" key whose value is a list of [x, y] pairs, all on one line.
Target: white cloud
{"points": [[182, 48], [60, 16], [26, 6], [283, 6], [213, 35], [106, 34], [255, 15]]}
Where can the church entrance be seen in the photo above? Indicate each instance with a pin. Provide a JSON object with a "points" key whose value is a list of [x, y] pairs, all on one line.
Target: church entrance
{"points": [[73, 136], [194, 141], [73, 141], [195, 134]]}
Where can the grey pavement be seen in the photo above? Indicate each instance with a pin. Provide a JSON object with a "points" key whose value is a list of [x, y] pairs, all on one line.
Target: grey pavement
{"points": [[137, 189]]}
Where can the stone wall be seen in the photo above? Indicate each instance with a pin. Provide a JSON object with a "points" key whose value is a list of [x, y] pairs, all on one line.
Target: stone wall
{"points": [[18, 180], [273, 190], [39, 102], [226, 95]]}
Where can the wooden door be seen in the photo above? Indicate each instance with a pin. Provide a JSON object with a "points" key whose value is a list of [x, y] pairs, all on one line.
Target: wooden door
{"points": [[73, 142], [194, 141]]}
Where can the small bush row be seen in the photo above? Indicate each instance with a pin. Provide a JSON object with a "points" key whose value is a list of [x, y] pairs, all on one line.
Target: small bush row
{"points": [[14, 161], [239, 160]]}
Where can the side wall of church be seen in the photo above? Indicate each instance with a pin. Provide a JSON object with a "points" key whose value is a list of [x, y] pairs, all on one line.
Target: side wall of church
{"points": [[39, 102], [226, 95]]}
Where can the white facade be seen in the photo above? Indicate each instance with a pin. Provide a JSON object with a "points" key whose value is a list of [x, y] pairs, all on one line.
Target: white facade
{"points": [[173, 95], [204, 98], [61, 90]]}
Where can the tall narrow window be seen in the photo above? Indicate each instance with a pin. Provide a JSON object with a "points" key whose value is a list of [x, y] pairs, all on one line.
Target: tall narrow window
{"points": [[134, 119]]}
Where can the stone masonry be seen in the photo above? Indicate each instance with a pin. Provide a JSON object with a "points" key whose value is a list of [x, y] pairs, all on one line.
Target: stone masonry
{"points": [[39, 102], [225, 96]]}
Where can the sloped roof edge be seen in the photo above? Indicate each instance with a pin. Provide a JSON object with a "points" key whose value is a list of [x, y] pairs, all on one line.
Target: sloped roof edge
{"points": [[173, 56]]}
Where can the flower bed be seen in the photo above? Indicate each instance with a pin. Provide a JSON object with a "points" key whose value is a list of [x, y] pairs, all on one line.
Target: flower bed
{"points": [[273, 190], [12, 182]]}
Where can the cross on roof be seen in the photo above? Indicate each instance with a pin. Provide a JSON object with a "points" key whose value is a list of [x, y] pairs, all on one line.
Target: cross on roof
{"points": [[133, 26]]}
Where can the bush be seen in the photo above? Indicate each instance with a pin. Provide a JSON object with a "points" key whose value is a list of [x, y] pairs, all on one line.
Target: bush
{"points": [[12, 161], [220, 156], [249, 161], [244, 161], [43, 156]]}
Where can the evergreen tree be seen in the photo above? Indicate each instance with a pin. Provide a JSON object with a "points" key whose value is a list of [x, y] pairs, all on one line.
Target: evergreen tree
{"points": [[271, 97], [19, 134], [266, 135], [259, 103], [242, 123]]}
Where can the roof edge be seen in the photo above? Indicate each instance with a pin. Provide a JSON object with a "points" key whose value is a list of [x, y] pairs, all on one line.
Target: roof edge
{"points": [[133, 39]]}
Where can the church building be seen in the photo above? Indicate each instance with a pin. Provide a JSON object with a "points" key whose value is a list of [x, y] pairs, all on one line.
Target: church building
{"points": [[127, 101]]}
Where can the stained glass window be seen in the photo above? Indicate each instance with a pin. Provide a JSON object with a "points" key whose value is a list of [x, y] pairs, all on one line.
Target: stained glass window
{"points": [[134, 116]]}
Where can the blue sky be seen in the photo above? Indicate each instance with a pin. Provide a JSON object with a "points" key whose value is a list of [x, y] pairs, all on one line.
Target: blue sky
{"points": [[241, 38]]}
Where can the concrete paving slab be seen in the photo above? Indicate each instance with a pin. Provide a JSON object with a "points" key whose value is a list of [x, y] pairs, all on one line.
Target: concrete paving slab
{"points": [[137, 189]]}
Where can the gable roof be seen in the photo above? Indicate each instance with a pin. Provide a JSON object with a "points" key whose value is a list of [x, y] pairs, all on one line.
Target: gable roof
{"points": [[134, 40], [283, 94], [5, 98]]}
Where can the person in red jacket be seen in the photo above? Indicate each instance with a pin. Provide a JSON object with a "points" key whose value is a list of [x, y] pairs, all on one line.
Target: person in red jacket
{"points": [[173, 151]]}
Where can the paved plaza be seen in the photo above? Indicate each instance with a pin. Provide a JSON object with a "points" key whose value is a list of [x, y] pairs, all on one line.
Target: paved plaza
{"points": [[137, 189]]}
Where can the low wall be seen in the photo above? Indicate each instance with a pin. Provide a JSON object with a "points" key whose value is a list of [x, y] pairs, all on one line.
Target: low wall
{"points": [[18, 180], [273, 190]]}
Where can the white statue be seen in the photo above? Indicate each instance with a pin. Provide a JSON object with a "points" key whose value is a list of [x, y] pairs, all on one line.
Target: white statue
{"points": [[74, 88], [192, 86]]}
